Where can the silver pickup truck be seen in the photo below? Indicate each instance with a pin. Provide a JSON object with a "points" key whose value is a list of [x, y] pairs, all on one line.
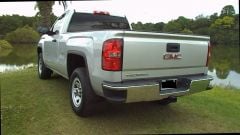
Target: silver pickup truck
{"points": [[103, 57]]}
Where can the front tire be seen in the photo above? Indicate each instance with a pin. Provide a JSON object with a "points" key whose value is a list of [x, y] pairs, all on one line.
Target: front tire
{"points": [[43, 71], [81, 92]]}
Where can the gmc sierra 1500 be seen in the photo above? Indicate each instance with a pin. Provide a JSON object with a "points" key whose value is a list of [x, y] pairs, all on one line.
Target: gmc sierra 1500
{"points": [[103, 57]]}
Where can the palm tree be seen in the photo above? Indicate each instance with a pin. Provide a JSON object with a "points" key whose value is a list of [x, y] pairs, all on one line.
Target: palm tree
{"points": [[45, 11], [64, 3]]}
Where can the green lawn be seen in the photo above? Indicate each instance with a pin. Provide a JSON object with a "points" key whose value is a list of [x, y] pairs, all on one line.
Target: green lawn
{"points": [[33, 106]]}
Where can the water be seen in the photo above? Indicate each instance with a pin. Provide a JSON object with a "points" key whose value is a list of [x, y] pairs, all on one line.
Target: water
{"points": [[232, 79], [224, 64], [20, 57], [6, 67]]}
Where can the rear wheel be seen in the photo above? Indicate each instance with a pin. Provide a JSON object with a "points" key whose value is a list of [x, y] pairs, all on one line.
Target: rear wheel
{"points": [[43, 71], [81, 92]]}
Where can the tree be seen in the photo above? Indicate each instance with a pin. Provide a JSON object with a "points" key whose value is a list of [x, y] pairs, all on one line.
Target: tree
{"points": [[159, 26], [10, 23], [213, 17], [45, 11], [236, 18], [226, 22], [180, 25], [184, 22], [173, 27], [201, 25], [186, 31], [148, 27], [24, 34], [138, 26], [64, 3], [222, 31], [228, 11]]}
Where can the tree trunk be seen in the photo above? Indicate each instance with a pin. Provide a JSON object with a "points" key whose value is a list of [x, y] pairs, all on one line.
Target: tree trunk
{"points": [[45, 10]]}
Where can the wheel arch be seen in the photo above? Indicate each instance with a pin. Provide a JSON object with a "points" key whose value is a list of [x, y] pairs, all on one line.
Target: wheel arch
{"points": [[76, 59]]}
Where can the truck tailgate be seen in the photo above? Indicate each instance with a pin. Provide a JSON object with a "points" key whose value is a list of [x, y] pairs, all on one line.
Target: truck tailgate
{"points": [[148, 55]]}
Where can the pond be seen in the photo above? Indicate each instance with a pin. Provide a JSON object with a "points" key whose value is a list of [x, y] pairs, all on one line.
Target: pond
{"points": [[20, 57], [224, 64]]}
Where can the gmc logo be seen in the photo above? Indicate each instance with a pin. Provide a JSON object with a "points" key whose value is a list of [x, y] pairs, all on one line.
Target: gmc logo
{"points": [[172, 56]]}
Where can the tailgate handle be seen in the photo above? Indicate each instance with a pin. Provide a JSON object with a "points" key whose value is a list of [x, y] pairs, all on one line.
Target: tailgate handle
{"points": [[173, 47]]}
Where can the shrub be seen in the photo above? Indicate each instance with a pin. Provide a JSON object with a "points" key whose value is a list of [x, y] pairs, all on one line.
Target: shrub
{"points": [[186, 31], [25, 34], [5, 45]]}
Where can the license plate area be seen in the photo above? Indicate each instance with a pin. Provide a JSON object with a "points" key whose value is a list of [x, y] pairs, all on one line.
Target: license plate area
{"points": [[171, 86], [168, 84]]}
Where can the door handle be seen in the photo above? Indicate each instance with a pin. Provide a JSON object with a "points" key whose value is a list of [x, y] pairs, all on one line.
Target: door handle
{"points": [[54, 40]]}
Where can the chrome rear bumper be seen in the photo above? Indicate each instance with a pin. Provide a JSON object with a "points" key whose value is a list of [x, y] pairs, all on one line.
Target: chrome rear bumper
{"points": [[136, 91]]}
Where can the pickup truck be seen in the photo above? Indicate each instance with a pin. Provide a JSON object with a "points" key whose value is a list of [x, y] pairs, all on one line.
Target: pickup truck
{"points": [[103, 58]]}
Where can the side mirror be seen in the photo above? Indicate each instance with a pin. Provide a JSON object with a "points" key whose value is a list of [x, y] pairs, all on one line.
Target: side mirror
{"points": [[50, 33], [45, 30], [42, 30]]}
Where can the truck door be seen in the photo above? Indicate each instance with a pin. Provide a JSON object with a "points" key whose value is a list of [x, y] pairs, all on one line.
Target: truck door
{"points": [[51, 46], [49, 51]]}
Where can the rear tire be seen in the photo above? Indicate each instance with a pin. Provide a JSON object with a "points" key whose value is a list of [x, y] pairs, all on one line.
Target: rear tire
{"points": [[43, 71], [81, 93]]}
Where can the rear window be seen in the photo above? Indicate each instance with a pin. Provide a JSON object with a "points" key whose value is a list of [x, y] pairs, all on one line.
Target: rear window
{"points": [[87, 21]]}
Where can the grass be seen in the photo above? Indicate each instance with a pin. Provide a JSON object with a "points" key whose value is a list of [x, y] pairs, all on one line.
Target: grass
{"points": [[33, 106]]}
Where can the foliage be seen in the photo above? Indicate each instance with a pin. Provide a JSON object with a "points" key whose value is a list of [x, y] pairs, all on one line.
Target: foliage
{"points": [[228, 11], [223, 29], [184, 22], [224, 62], [172, 26], [45, 11], [10, 23], [213, 17], [201, 25], [223, 23], [4, 53], [5, 45], [25, 34], [159, 27], [186, 31]]}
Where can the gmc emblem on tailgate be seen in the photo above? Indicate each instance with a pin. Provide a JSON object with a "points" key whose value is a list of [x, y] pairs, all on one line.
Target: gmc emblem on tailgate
{"points": [[172, 56]]}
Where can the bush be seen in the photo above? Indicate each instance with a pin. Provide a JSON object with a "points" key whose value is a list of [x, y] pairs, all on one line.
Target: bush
{"points": [[5, 45], [186, 31], [25, 34]]}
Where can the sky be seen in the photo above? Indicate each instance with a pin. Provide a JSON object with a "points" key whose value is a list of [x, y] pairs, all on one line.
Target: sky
{"points": [[135, 10]]}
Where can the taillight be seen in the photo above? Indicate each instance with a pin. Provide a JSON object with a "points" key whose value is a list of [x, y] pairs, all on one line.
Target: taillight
{"points": [[112, 55], [208, 54]]}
